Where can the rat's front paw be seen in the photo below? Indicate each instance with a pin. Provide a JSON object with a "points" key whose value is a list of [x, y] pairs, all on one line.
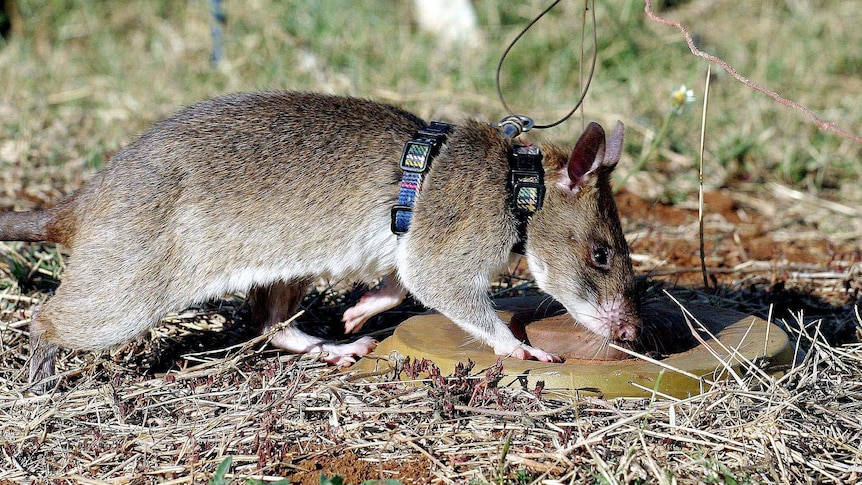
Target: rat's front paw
{"points": [[354, 318], [526, 352], [372, 303]]}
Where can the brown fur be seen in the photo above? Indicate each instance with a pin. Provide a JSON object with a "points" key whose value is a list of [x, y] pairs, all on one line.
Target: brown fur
{"points": [[264, 192]]}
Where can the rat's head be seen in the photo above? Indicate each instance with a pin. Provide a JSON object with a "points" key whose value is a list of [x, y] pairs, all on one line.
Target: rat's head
{"points": [[575, 245]]}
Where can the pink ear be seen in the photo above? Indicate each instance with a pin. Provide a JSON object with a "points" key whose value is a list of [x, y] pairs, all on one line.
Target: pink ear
{"points": [[614, 149], [587, 155]]}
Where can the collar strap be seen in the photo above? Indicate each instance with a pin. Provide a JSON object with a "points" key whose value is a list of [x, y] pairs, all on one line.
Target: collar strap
{"points": [[526, 187], [526, 184], [415, 162]]}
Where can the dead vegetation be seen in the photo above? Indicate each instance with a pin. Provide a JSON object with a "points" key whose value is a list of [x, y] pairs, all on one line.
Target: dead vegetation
{"points": [[283, 416]]}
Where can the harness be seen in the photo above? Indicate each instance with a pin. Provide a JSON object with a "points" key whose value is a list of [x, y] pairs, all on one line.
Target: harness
{"points": [[525, 184]]}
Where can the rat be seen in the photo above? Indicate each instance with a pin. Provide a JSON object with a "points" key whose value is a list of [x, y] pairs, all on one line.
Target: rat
{"points": [[266, 192]]}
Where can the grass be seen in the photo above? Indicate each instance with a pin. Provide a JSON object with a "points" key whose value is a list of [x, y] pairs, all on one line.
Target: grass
{"points": [[283, 416], [83, 79]]}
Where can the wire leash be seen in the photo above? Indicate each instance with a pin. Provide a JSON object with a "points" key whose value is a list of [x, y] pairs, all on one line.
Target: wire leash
{"points": [[513, 125]]}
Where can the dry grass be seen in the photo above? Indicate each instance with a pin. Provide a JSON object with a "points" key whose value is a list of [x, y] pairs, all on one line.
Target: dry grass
{"points": [[83, 79], [282, 416]]}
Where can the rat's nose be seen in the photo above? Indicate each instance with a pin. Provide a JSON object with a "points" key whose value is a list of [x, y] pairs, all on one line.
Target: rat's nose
{"points": [[626, 332]]}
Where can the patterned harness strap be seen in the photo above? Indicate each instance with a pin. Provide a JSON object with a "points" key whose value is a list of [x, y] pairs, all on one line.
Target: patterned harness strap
{"points": [[526, 187], [526, 184], [415, 162]]}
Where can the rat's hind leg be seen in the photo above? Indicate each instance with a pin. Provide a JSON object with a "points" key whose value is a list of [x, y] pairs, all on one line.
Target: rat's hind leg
{"points": [[91, 310], [43, 352], [277, 303], [295, 340], [64, 321]]}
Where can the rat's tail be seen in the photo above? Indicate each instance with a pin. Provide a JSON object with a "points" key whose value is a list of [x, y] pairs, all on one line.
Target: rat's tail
{"points": [[40, 225], [24, 226]]}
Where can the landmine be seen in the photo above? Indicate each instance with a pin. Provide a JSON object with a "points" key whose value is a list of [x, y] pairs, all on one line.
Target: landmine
{"points": [[682, 365]]}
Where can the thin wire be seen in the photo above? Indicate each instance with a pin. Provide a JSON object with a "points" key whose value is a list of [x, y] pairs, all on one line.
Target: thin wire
{"points": [[583, 56], [586, 87]]}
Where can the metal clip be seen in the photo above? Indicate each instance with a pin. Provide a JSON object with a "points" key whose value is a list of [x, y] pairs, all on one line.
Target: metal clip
{"points": [[513, 126]]}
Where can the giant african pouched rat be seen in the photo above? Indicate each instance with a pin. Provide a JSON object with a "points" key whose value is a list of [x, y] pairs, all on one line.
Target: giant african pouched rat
{"points": [[265, 192]]}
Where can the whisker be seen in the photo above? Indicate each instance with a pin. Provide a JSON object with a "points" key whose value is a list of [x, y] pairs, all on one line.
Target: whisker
{"points": [[547, 302], [600, 348]]}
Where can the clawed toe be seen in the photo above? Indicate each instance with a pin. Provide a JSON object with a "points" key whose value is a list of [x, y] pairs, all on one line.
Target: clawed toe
{"points": [[526, 352], [345, 355]]}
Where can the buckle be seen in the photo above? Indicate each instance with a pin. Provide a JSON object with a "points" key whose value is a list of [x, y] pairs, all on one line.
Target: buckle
{"points": [[526, 180], [416, 156], [527, 195], [436, 129], [526, 157], [418, 152], [399, 225]]}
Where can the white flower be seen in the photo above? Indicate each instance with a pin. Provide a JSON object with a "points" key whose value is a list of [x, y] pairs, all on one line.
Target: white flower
{"points": [[681, 97]]}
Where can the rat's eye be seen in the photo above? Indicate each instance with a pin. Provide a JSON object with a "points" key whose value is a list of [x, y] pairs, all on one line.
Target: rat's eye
{"points": [[600, 257]]}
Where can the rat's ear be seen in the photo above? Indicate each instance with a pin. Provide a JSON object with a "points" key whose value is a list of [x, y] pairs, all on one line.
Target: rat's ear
{"points": [[588, 155], [614, 148]]}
